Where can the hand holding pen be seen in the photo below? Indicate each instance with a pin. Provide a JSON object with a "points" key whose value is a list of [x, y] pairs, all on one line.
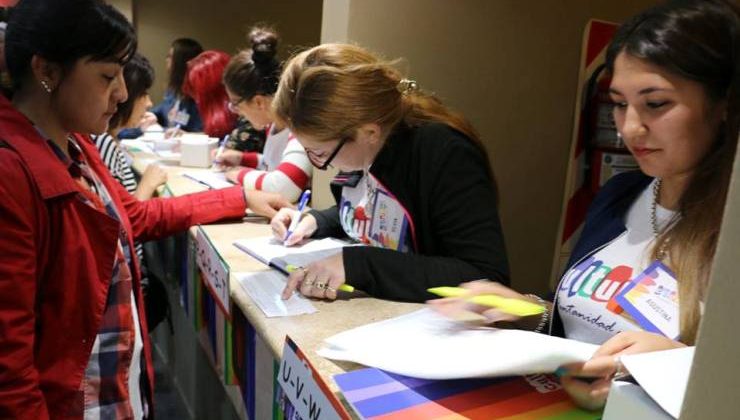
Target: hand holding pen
{"points": [[290, 226]]}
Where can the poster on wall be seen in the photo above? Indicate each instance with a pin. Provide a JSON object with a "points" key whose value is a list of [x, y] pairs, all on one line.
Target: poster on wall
{"points": [[596, 153]]}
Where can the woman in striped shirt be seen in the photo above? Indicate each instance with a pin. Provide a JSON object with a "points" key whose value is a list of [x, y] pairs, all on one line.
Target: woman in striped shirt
{"points": [[251, 79], [139, 76]]}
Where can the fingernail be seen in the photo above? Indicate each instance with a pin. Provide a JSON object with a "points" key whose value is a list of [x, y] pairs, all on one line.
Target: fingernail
{"points": [[561, 371]]}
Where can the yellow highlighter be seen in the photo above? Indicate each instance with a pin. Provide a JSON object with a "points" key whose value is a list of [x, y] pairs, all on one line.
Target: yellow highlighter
{"points": [[344, 287], [511, 306]]}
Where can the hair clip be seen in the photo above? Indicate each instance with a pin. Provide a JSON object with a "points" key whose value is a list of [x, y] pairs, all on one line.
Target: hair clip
{"points": [[406, 86]]}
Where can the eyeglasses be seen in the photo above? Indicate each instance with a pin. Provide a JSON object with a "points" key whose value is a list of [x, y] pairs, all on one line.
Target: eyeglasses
{"points": [[331, 157], [234, 105]]}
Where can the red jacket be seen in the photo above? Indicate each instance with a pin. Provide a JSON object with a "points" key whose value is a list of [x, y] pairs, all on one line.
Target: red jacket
{"points": [[56, 256]]}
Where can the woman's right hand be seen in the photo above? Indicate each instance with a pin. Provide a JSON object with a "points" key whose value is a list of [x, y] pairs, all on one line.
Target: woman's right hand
{"points": [[227, 158], [151, 179], [454, 307], [280, 223]]}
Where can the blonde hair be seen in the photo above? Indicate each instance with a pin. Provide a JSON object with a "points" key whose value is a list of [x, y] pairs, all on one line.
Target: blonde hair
{"points": [[329, 91]]}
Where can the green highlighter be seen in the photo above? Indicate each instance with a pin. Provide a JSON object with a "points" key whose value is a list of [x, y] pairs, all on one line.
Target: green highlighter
{"points": [[345, 287], [511, 306]]}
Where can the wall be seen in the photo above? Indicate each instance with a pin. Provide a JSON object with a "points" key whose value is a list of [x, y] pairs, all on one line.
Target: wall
{"points": [[221, 24], [510, 66]]}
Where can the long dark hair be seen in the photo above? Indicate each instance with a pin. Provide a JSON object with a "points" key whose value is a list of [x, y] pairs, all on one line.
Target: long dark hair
{"points": [[255, 71], [62, 32], [139, 76], [183, 50], [700, 41]]}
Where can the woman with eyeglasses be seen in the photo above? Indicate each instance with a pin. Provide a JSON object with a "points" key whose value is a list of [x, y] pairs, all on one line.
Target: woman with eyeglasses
{"points": [[251, 79], [415, 185]]}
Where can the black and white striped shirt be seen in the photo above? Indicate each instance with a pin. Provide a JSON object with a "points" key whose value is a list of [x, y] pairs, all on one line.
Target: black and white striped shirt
{"points": [[116, 161]]}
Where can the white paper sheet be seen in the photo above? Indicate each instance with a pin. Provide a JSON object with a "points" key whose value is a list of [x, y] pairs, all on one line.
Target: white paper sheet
{"points": [[136, 145], [265, 288], [267, 248], [424, 344], [215, 180], [663, 375]]}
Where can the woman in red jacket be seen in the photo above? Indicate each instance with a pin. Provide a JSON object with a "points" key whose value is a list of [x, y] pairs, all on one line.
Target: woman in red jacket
{"points": [[73, 340]]}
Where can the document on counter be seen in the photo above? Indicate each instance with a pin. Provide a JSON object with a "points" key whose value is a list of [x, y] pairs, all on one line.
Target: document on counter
{"points": [[272, 252], [136, 145], [265, 287], [212, 180], [424, 344]]}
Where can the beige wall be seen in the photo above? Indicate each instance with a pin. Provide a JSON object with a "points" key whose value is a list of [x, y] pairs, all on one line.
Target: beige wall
{"points": [[221, 24], [511, 66], [124, 6]]}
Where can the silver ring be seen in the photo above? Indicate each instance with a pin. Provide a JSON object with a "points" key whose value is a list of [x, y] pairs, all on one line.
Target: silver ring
{"points": [[619, 372], [320, 286], [330, 289]]}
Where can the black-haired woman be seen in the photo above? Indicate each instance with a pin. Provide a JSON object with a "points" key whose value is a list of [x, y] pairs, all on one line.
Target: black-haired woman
{"points": [[73, 333]]}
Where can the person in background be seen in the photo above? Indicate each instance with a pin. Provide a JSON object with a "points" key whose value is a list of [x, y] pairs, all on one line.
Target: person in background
{"points": [[74, 341], [139, 76], [251, 79], [177, 112], [203, 84], [674, 77], [415, 184]]}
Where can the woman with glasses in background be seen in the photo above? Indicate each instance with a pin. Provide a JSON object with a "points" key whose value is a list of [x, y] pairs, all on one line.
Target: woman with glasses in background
{"points": [[251, 79]]}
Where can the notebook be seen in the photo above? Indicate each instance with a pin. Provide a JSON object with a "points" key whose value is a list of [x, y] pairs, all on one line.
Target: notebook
{"points": [[272, 252]]}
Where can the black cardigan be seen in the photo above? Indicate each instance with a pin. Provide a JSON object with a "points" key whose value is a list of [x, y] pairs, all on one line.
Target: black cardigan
{"points": [[443, 181]]}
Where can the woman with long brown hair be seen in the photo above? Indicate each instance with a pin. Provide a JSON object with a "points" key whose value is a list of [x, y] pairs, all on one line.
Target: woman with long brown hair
{"points": [[674, 84], [415, 185]]}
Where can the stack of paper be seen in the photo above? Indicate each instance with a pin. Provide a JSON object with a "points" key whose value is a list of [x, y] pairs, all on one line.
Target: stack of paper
{"points": [[424, 344]]}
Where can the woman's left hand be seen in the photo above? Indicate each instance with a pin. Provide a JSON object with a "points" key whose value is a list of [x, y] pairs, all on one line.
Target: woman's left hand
{"points": [[605, 364], [320, 279]]}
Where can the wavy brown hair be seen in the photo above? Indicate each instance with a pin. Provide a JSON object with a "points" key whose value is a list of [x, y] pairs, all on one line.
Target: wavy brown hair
{"points": [[698, 40], [329, 91]]}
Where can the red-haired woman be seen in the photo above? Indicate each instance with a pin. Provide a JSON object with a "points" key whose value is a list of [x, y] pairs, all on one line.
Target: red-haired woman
{"points": [[203, 84]]}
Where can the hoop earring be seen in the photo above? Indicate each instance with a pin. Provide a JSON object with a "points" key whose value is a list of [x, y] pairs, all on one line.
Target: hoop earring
{"points": [[45, 84]]}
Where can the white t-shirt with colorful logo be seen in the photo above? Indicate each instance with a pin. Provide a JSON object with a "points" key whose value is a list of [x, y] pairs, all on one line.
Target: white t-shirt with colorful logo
{"points": [[584, 297], [372, 215]]}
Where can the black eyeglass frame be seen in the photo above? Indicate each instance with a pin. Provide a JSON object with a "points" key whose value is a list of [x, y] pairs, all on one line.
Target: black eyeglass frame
{"points": [[331, 157]]}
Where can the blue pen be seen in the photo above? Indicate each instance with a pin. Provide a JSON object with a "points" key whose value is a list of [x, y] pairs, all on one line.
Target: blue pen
{"points": [[301, 205]]}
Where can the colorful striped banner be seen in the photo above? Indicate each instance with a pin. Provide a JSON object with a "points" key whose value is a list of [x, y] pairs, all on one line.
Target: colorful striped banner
{"points": [[380, 395]]}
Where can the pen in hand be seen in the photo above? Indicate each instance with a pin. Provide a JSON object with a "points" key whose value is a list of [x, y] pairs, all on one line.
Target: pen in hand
{"points": [[301, 206]]}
